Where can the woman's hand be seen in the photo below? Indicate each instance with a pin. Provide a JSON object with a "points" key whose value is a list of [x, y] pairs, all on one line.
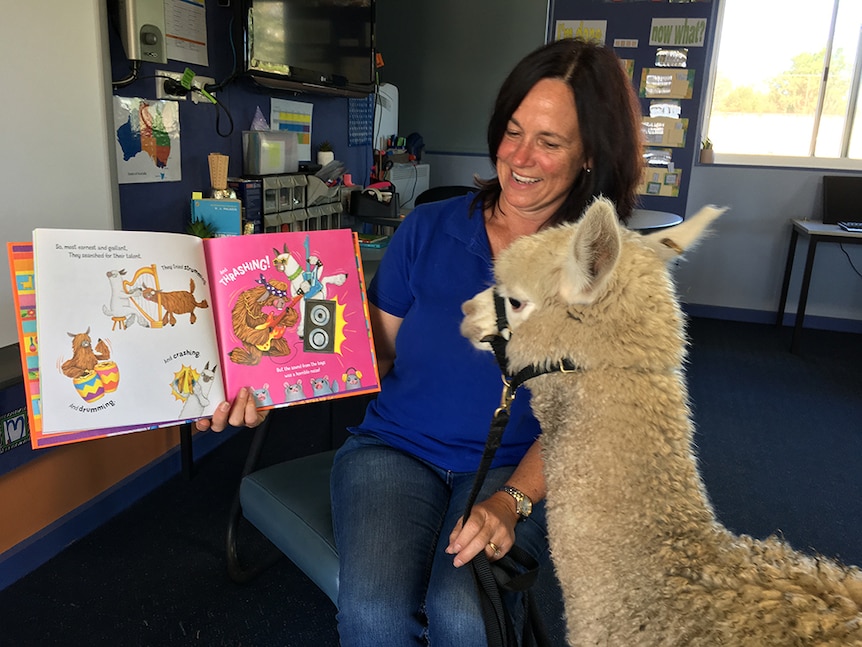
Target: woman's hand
{"points": [[491, 527], [241, 413]]}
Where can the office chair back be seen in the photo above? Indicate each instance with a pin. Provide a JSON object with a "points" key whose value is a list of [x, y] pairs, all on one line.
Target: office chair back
{"points": [[437, 193]]}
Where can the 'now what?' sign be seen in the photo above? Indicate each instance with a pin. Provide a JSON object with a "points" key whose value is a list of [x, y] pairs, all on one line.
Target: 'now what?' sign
{"points": [[678, 32]]}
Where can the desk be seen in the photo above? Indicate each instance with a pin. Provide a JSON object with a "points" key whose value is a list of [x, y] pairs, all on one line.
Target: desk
{"points": [[817, 232], [646, 219]]}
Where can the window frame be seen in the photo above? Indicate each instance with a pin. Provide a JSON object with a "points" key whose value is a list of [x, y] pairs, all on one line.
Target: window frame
{"points": [[779, 161]]}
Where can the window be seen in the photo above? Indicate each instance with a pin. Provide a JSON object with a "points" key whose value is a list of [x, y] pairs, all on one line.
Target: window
{"points": [[786, 82]]}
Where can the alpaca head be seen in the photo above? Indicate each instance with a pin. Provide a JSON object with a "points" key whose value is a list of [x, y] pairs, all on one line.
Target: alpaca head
{"points": [[592, 291]]}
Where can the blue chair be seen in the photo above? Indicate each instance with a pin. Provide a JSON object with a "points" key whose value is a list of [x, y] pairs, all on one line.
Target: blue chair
{"points": [[289, 504]]}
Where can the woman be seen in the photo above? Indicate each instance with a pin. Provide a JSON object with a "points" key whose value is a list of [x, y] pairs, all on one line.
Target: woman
{"points": [[565, 128]]}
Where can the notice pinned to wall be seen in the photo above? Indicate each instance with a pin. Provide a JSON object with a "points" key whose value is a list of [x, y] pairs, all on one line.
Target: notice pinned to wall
{"points": [[186, 31], [660, 181], [295, 117], [664, 83], [592, 30], [678, 32], [665, 131], [147, 137]]}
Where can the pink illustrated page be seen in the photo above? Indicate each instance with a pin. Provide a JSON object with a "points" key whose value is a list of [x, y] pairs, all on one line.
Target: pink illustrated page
{"points": [[291, 316]]}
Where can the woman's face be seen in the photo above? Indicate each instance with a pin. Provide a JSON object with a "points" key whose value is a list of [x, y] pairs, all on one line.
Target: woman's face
{"points": [[541, 152]]}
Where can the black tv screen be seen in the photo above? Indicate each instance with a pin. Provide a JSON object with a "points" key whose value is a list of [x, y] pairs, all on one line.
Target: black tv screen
{"points": [[328, 44]]}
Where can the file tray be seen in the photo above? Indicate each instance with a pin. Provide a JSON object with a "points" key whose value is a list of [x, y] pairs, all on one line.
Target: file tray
{"points": [[367, 206]]}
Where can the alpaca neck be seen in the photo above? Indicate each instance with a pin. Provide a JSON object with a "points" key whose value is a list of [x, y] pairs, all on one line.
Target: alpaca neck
{"points": [[620, 457]]}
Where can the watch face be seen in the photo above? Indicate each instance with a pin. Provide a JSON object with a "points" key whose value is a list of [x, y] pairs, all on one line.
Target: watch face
{"points": [[525, 507]]}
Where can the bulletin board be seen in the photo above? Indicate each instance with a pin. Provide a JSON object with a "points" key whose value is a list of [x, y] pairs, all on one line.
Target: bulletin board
{"points": [[665, 46]]}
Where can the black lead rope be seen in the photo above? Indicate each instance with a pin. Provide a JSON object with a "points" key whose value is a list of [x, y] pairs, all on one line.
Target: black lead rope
{"points": [[517, 570]]}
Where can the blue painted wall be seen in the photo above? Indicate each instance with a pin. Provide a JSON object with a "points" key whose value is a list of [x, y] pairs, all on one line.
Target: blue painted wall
{"points": [[632, 20]]}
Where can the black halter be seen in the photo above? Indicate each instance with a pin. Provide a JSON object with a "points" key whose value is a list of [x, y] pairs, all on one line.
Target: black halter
{"points": [[500, 340], [517, 570], [511, 383]]}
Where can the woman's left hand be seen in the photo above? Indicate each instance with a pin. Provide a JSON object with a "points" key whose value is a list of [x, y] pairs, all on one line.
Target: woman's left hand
{"points": [[491, 527], [242, 412]]}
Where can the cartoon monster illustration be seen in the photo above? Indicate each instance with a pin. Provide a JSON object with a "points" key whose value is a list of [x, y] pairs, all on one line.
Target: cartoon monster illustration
{"points": [[260, 317], [175, 303], [293, 392]]}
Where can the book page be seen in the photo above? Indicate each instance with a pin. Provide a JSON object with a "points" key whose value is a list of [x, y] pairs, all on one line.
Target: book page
{"points": [[126, 335], [292, 316]]}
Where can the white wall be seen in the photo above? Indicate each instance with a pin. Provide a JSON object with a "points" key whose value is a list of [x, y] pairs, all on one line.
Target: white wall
{"points": [[742, 265], [58, 168]]}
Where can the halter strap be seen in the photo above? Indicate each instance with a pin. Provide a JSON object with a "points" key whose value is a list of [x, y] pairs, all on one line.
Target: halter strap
{"points": [[511, 384], [517, 570]]}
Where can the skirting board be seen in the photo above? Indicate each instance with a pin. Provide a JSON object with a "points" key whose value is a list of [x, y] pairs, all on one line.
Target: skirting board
{"points": [[766, 317], [34, 551]]}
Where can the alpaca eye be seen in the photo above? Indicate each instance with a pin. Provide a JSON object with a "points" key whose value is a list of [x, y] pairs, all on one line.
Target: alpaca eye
{"points": [[516, 305]]}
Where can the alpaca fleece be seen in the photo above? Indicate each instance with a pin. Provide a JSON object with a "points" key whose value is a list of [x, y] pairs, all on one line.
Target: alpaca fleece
{"points": [[639, 553]]}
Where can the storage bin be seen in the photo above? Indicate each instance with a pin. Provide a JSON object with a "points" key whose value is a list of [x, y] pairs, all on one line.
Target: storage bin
{"points": [[266, 152]]}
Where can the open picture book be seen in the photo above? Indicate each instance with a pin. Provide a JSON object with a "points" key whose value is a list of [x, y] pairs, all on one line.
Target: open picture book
{"points": [[123, 331]]}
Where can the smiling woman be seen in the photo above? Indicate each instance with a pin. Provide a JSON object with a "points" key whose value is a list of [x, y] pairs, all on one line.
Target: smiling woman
{"points": [[533, 116], [540, 155]]}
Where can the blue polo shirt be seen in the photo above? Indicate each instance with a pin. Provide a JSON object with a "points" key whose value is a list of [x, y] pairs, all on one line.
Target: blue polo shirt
{"points": [[438, 399]]}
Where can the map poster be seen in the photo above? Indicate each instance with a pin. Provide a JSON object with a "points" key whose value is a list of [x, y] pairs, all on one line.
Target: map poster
{"points": [[147, 135]]}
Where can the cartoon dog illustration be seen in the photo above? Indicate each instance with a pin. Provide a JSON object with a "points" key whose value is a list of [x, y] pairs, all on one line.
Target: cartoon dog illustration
{"points": [[176, 303]]}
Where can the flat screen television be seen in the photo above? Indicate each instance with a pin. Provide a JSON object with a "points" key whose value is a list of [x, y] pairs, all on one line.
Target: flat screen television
{"points": [[324, 46]]}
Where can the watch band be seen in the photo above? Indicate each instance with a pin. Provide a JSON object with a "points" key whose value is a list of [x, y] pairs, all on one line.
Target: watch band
{"points": [[523, 503]]}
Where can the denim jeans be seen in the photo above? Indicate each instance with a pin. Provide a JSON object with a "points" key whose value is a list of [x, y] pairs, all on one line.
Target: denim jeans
{"points": [[392, 515]]}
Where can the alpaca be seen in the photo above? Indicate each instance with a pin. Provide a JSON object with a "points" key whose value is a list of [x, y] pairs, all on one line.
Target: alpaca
{"points": [[198, 399], [84, 357], [120, 304], [307, 284], [641, 558]]}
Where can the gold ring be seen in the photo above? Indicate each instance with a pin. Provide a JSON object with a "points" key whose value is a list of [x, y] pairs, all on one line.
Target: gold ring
{"points": [[494, 547]]}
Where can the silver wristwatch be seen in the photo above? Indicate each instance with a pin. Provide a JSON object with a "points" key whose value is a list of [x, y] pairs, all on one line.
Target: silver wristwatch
{"points": [[523, 503]]}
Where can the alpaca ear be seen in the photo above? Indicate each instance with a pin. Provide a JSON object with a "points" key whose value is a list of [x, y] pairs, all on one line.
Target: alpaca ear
{"points": [[672, 243], [595, 251]]}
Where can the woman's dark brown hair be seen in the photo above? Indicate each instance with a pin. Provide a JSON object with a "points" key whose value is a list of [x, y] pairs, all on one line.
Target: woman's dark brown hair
{"points": [[608, 116]]}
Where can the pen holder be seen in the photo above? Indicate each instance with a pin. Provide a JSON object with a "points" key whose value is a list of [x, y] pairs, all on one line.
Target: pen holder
{"points": [[218, 171]]}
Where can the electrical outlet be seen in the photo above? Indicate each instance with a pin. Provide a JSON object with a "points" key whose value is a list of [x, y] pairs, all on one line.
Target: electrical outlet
{"points": [[197, 81]]}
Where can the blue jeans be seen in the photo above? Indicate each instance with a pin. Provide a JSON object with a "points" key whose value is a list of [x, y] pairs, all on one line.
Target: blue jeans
{"points": [[392, 515]]}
